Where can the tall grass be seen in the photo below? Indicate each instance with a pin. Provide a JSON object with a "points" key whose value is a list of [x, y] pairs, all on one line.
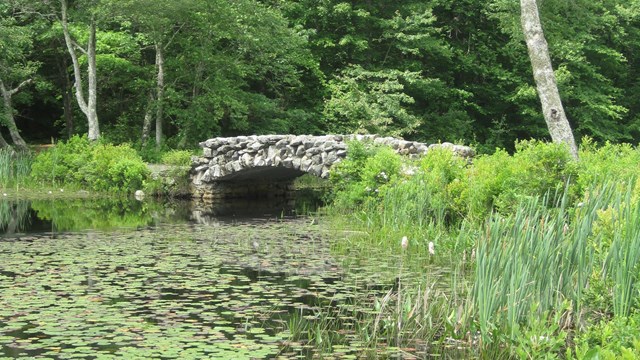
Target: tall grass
{"points": [[546, 264], [542, 258], [624, 253], [15, 167]]}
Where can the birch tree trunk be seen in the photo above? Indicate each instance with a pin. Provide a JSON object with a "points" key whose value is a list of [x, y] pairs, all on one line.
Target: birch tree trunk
{"points": [[159, 93], [544, 77], [92, 116], [9, 120], [88, 107]]}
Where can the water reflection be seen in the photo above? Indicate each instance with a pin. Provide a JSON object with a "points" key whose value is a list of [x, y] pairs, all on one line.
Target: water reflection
{"points": [[61, 215], [15, 216], [23, 216]]}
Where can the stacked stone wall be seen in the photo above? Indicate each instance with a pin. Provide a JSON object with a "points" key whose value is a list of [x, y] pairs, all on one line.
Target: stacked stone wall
{"points": [[305, 153]]}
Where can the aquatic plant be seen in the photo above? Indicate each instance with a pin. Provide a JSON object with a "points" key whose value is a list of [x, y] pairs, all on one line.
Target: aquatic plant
{"points": [[624, 253], [15, 167]]}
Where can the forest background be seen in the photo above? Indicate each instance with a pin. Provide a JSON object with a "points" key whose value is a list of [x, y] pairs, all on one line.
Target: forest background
{"points": [[173, 73]]}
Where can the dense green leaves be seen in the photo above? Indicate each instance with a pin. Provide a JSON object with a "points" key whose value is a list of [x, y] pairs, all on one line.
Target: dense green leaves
{"points": [[431, 71], [101, 167]]}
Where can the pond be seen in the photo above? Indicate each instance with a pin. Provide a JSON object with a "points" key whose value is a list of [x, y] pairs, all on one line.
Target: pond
{"points": [[127, 279]]}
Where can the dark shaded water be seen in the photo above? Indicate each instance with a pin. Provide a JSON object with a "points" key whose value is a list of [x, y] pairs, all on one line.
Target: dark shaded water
{"points": [[127, 279]]}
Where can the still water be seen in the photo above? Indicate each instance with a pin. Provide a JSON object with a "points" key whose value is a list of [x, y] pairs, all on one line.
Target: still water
{"points": [[137, 280]]}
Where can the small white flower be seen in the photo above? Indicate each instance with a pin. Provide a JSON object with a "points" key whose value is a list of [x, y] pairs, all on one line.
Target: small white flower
{"points": [[367, 189], [384, 175], [432, 250], [580, 204], [50, 192], [4, 194], [404, 243], [409, 170], [61, 190]]}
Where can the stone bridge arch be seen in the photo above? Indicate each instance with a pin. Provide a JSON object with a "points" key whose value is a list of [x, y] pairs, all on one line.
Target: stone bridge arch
{"points": [[266, 165]]}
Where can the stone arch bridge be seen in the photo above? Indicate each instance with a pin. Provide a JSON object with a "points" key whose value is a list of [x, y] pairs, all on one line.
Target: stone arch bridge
{"points": [[265, 166]]}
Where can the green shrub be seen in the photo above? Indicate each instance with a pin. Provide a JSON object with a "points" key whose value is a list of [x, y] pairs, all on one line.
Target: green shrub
{"points": [[607, 162], [502, 181], [61, 164], [442, 174], [114, 168], [100, 167], [150, 152], [177, 158], [363, 173], [618, 338]]}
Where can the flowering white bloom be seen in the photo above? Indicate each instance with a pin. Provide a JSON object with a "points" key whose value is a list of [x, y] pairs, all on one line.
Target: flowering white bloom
{"points": [[4, 194], [432, 250], [404, 243], [384, 175], [367, 189], [50, 192], [409, 170]]}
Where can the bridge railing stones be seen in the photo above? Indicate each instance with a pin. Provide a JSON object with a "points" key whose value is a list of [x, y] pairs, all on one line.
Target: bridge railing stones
{"points": [[303, 153]]}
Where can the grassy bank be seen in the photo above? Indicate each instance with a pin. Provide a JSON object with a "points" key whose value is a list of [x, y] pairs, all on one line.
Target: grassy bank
{"points": [[541, 251]]}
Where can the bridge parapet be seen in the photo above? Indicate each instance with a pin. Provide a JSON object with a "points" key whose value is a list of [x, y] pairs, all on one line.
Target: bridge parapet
{"points": [[280, 158], [224, 157]]}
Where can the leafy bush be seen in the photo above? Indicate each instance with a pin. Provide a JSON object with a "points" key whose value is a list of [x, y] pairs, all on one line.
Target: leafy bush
{"points": [[61, 164], [177, 158], [362, 174], [101, 166], [150, 153], [502, 181], [607, 162], [442, 174], [614, 339]]}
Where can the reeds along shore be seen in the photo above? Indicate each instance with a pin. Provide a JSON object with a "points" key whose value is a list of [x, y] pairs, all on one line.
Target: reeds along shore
{"points": [[542, 253]]}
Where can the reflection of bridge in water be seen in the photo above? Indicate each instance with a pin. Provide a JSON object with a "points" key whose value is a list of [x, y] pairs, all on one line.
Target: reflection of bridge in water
{"points": [[265, 166]]}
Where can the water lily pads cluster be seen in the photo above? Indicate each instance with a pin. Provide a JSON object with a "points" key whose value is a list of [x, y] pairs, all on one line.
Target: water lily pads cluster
{"points": [[223, 290]]}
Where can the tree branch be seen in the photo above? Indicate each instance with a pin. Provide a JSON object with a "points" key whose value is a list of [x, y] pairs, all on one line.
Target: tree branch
{"points": [[166, 46], [82, 50], [20, 86], [74, 58]]}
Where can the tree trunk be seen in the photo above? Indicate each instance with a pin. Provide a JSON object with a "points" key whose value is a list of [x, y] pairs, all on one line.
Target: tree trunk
{"points": [[92, 116], [146, 125], [67, 96], [88, 108], [544, 77], [159, 93], [9, 120], [3, 143]]}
